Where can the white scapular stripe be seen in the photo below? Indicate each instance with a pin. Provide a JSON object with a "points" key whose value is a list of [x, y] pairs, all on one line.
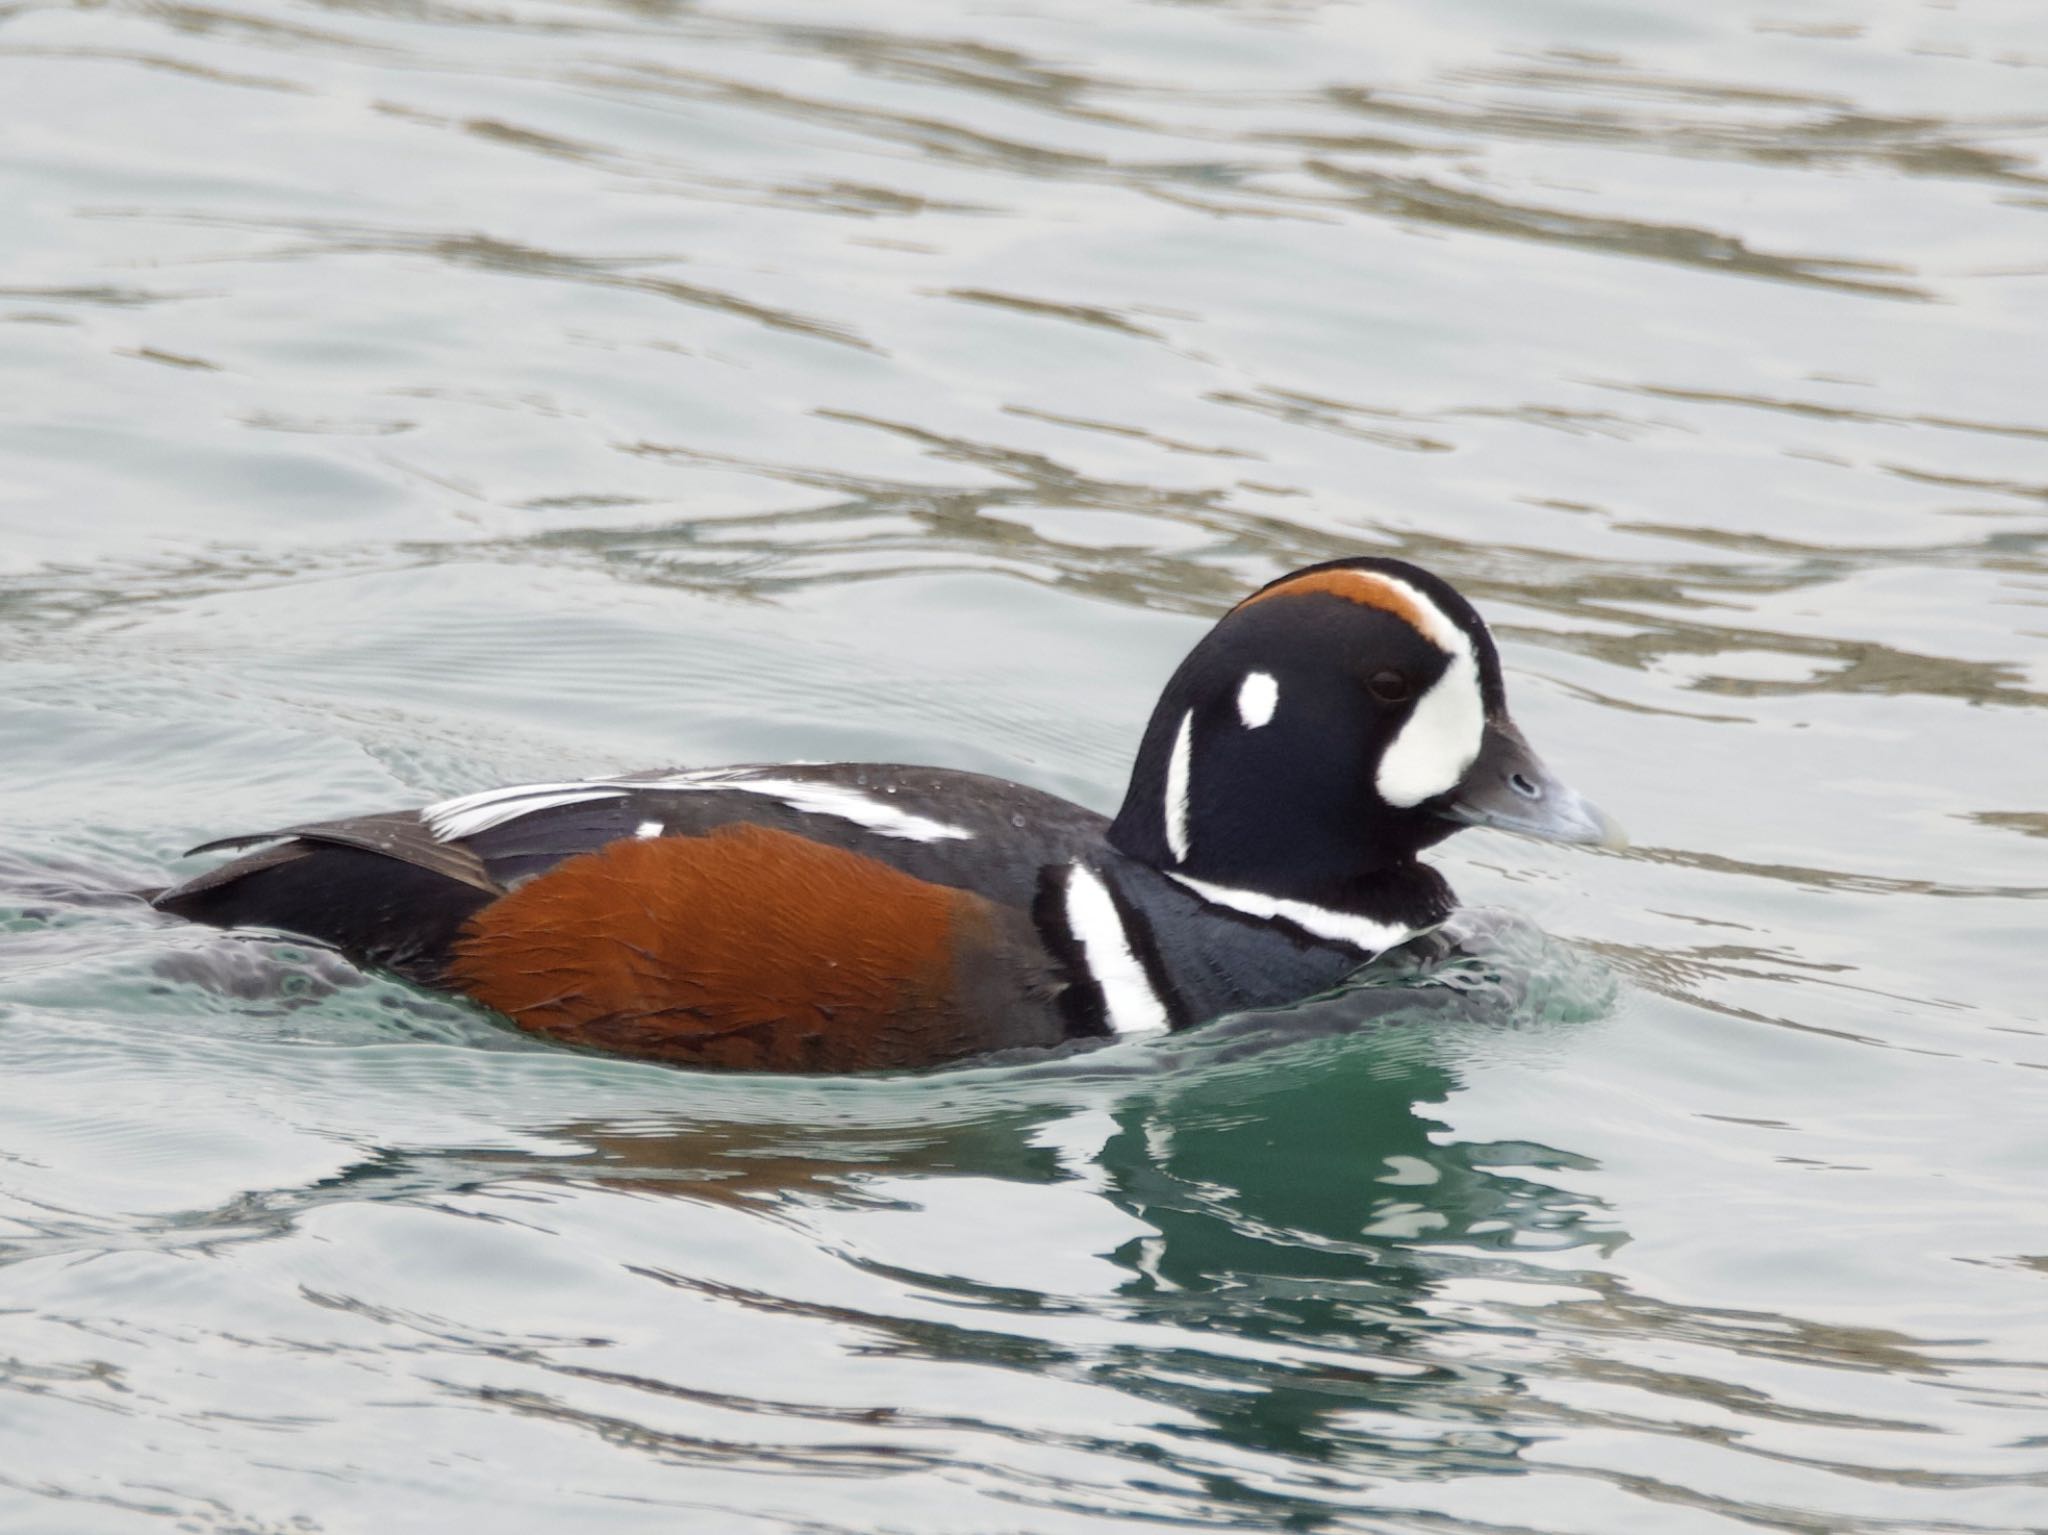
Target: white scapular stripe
{"points": [[1257, 697], [1441, 739], [466, 815], [1177, 788], [1131, 1004], [1340, 926], [847, 804]]}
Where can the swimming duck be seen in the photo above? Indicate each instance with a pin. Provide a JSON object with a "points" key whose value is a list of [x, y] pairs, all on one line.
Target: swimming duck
{"points": [[847, 917]]}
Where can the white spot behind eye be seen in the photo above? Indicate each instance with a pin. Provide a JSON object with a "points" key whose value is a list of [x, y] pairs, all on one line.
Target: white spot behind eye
{"points": [[1257, 697], [647, 829], [1177, 788]]}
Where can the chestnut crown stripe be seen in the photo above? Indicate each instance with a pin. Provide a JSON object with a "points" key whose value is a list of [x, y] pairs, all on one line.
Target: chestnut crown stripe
{"points": [[1370, 589], [1442, 735]]}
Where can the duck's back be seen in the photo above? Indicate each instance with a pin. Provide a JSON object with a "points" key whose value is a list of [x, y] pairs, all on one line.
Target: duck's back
{"points": [[788, 918]]}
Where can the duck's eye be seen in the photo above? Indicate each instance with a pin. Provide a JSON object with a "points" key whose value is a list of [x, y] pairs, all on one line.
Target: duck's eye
{"points": [[1389, 686]]}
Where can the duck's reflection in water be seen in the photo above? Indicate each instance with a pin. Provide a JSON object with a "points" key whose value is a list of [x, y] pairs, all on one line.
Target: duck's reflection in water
{"points": [[1267, 1214]]}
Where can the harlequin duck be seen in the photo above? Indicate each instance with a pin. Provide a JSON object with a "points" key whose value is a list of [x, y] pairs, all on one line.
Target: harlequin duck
{"points": [[848, 917]]}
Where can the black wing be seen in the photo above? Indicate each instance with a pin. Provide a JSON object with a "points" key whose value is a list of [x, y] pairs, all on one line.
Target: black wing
{"points": [[395, 889]]}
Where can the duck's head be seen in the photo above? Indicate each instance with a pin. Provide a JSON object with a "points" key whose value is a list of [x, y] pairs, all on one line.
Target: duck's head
{"points": [[1331, 726]]}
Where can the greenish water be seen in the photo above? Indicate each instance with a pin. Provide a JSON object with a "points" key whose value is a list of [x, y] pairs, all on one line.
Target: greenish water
{"points": [[399, 399]]}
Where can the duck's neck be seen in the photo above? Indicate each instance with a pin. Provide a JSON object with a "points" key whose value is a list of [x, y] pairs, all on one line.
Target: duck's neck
{"points": [[1313, 833]]}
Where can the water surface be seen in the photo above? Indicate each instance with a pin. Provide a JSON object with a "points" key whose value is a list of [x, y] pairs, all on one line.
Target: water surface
{"points": [[405, 398]]}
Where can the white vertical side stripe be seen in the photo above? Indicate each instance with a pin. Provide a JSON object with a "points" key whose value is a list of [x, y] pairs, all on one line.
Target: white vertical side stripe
{"points": [[1127, 996], [1177, 788]]}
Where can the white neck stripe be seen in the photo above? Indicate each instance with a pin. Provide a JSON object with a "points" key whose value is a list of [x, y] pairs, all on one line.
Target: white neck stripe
{"points": [[1338, 926], [1177, 788]]}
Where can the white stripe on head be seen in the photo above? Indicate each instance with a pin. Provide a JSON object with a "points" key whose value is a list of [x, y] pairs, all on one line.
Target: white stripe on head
{"points": [[1257, 697], [1177, 788], [1433, 621], [1129, 1003]]}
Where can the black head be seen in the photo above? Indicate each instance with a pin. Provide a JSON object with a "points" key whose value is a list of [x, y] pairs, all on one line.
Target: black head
{"points": [[1331, 726]]}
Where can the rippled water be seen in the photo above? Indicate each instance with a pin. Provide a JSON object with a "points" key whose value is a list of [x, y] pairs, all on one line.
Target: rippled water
{"points": [[401, 398]]}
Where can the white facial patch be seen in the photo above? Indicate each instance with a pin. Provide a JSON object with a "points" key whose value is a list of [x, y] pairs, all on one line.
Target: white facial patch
{"points": [[1257, 697], [1441, 739], [1131, 1005], [1177, 788]]}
